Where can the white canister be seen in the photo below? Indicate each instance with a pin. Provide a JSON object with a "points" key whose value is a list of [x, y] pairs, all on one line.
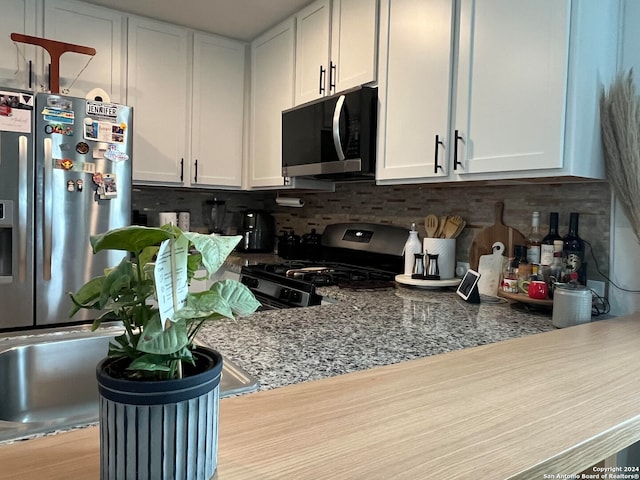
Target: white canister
{"points": [[571, 306], [167, 217], [184, 221], [445, 248]]}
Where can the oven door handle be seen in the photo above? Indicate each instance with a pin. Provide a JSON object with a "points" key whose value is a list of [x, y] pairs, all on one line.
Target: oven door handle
{"points": [[337, 113]]}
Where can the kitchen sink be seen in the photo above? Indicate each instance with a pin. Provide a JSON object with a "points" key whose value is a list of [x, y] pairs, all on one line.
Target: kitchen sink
{"points": [[48, 382]]}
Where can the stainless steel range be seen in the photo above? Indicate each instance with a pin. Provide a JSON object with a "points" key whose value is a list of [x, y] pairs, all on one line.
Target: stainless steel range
{"points": [[351, 255]]}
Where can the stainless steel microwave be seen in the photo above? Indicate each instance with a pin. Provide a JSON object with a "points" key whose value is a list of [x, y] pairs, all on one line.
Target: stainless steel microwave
{"points": [[332, 138]]}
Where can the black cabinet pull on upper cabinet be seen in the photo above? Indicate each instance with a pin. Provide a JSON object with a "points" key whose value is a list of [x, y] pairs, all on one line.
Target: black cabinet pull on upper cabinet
{"points": [[435, 159], [332, 77], [455, 150], [182, 169], [323, 72], [195, 176]]}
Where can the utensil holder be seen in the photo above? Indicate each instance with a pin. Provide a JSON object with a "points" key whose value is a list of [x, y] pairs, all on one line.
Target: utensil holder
{"points": [[445, 248]]}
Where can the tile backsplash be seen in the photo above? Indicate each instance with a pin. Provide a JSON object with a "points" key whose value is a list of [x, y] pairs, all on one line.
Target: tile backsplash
{"points": [[402, 205]]}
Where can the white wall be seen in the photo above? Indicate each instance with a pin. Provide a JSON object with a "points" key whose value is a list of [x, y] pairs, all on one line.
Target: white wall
{"points": [[625, 249]]}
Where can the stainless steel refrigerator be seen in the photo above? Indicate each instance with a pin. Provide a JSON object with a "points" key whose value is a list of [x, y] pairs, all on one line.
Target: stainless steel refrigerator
{"points": [[65, 174]]}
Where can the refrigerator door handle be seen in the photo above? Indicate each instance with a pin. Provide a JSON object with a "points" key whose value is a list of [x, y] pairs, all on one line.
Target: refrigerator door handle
{"points": [[47, 207], [23, 152]]}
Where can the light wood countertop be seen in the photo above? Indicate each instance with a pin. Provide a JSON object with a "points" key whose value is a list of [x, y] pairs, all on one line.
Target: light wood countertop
{"points": [[552, 403]]}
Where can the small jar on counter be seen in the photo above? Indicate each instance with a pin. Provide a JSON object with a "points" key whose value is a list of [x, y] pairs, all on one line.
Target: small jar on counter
{"points": [[510, 277]]}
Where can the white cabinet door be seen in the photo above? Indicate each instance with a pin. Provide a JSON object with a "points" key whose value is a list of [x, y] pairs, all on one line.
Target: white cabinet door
{"points": [[157, 90], [414, 89], [511, 85], [218, 109], [90, 26], [312, 51], [354, 33], [18, 16], [272, 73]]}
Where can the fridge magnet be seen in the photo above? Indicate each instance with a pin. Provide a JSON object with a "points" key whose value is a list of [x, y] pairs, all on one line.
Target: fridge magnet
{"points": [[58, 102], [114, 155], [79, 184], [59, 110], [97, 178], [107, 189], [68, 165], [104, 110], [82, 147], [64, 164], [102, 131], [58, 128], [90, 129], [15, 112], [71, 186]]}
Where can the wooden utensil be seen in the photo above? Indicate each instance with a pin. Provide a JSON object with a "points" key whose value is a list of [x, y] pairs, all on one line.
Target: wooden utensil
{"points": [[442, 221], [431, 225], [451, 226], [498, 232], [460, 228]]}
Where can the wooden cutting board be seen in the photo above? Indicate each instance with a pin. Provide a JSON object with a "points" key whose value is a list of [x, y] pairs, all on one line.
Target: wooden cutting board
{"points": [[498, 232]]}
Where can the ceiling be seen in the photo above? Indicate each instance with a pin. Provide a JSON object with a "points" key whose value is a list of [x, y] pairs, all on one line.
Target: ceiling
{"points": [[240, 19]]}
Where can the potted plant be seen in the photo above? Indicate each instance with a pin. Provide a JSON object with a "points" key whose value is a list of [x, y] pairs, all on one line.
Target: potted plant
{"points": [[159, 393]]}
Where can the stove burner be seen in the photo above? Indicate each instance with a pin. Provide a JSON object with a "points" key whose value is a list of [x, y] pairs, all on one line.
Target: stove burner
{"points": [[293, 283], [324, 274]]}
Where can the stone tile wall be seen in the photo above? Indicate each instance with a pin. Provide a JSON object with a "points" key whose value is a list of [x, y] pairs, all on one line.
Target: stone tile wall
{"points": [[403, 204]]}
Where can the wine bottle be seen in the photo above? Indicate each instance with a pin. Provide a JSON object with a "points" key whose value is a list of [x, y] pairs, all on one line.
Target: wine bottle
{"points": [[546, 246], [573, 251], [534, 239]]}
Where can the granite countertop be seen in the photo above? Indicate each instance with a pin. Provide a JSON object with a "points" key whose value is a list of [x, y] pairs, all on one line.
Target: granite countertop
{"points": [[364, 329]]}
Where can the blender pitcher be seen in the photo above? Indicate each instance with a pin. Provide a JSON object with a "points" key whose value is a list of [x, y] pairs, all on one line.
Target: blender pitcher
{"points": [[217, 214]]}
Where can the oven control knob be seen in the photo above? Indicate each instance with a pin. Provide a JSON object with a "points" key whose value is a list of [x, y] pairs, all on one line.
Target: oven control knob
{"points": [[284, 294], [250, 282], [296, 297]]}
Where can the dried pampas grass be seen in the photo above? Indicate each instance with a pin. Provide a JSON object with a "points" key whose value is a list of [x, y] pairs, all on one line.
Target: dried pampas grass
{"points": [[620, 125]]}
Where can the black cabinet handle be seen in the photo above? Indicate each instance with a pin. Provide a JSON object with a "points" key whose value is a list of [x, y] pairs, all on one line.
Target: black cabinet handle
{"points": [[182, 169], [332, 77], [455, 150], [435, 159], [323, 71], [49, 77], [195, 177], [30, 72]]}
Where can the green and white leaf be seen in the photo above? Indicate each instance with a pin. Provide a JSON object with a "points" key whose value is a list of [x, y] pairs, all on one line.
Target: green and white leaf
{"points": [[163, 342], [213, 248]]}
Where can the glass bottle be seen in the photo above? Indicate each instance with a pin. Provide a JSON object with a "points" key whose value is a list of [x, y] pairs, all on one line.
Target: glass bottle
{"points": [[573, 251], [534, 239], [546, 245]]}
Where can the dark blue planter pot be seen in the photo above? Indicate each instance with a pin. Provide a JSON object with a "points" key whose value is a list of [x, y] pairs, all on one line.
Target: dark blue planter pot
{"points": [[165, 429]]}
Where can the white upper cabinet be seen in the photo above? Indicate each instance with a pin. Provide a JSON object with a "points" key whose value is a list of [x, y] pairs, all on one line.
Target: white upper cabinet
{"points": [[336, 45], [354, 43], [218, 109], [157, 90], [272, 72], [511, 85], [414, 88], [90, 26], [17, 60], [517, 98], [312, 51]]}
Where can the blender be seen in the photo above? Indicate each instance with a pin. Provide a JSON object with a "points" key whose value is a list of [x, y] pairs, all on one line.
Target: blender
{"points": [[216, 216]]}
